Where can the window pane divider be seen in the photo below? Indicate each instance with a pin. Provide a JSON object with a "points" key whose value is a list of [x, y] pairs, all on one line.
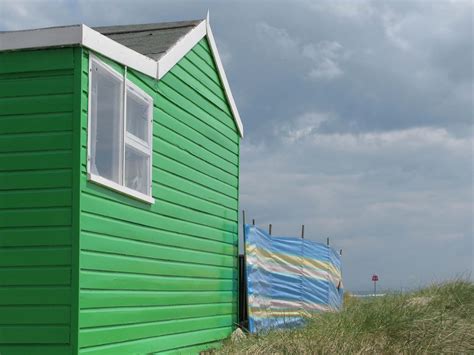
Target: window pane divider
{"points": [[124, 125], [135, 90], [137, 145]]}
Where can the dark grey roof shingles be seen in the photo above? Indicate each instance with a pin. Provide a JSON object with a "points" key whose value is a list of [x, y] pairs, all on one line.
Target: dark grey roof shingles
{"points": [[152, 40]]}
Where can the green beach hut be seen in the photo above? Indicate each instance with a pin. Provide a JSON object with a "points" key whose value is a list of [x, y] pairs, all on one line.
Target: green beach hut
{"points": [[119, 185]]}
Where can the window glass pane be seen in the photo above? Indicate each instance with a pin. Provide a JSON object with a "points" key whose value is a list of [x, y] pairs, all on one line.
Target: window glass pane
{"points": [[137, 115], [106, 124], [136, 170]]}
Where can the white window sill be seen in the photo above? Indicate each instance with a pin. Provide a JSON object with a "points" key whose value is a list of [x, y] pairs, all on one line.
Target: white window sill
{"points": [[119, 188]]}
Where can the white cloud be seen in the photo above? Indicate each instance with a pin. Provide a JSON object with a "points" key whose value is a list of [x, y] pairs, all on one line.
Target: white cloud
{"points": [[353, 10], [411, 138], [393, 26], [274, 36], [326, 69], [325, 57], [302, 126]]}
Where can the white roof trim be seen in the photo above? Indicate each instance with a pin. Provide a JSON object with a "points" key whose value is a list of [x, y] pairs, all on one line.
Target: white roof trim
{"points": [[225, 83], [179, 50], [43, 37], [97, 42], [118, 52], [78, 34]]}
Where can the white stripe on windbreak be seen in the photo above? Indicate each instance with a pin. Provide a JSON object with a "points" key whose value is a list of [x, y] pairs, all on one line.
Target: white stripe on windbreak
{"points": [[289, 269]]}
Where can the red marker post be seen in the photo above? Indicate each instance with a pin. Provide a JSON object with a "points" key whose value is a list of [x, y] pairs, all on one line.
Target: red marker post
{"points": [[375, 278]]}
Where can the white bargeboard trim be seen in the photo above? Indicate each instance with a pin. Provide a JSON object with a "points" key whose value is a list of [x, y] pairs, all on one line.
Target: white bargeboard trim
{"points": [[225, 83], [97, 42], [43, 37], [184, 45], [82, 35], [181, 48], [108, 47]]}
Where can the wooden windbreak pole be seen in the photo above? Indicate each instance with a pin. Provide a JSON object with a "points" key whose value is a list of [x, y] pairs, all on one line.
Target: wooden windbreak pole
{"points": [[302, 231], [243, 313]]}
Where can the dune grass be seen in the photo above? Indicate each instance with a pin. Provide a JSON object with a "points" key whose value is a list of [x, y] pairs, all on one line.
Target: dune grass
{"points": [[437, 319]]}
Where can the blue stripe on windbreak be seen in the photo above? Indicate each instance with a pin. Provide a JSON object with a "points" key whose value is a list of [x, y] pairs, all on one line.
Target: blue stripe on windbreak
{"points": [[284, 287], [281, 245], [315, 291]]}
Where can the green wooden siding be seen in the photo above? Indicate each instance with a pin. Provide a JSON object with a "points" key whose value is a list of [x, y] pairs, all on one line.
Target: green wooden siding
{"points": [[84, 268], [163, 277], [36, 111]]}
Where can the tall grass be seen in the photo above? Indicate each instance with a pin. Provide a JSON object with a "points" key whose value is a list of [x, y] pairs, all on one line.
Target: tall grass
{"points": [[437, 319]]}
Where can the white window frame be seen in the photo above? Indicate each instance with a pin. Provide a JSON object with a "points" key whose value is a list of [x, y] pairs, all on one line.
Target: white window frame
{"points": [[127, 138]]}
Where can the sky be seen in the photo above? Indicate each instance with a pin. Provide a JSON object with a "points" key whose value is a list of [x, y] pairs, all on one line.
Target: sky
{"points": [[358, 119]]}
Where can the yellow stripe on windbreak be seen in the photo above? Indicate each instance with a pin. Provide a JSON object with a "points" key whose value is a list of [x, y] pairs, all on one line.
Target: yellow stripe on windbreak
{"points": [[318, 264], [294, 260]]}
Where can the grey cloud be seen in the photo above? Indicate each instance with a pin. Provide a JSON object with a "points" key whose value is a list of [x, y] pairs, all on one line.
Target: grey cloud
{"points": [[388, 199]]}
